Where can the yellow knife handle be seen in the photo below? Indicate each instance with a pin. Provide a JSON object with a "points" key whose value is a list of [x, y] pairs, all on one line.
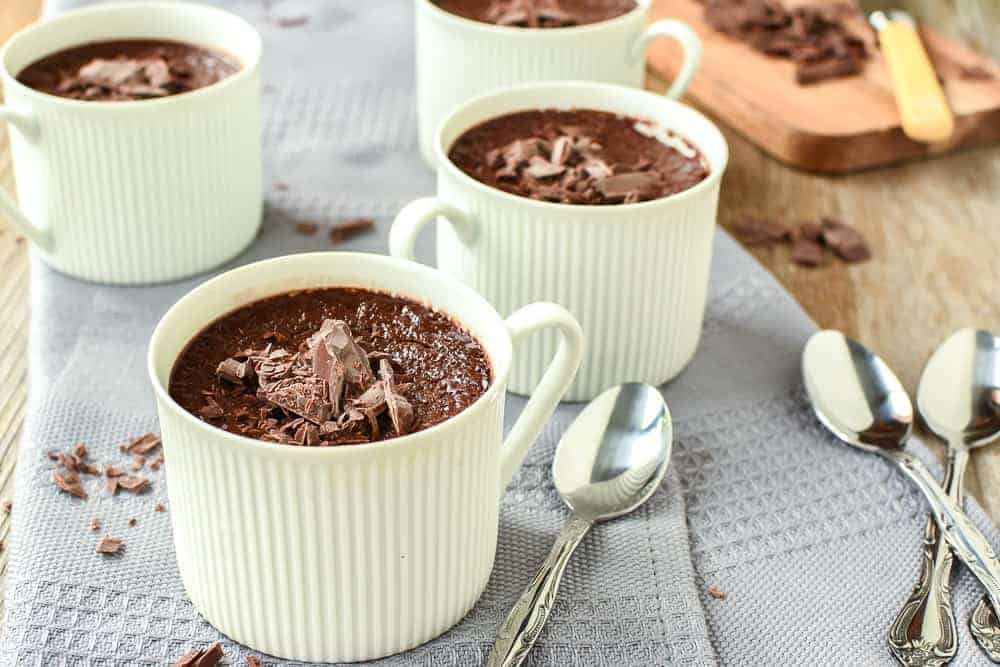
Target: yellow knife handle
{"points": [[923, 107]]}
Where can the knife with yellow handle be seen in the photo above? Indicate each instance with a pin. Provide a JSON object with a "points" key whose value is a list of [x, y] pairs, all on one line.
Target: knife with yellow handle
{"points": [[922, 105]]}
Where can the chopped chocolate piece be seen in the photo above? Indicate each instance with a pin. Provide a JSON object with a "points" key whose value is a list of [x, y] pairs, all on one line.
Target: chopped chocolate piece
{"points": [[80, 451], [281, 187], [138, 461], [562, 148], [156, 463], [810, 230], [143, 444], [8, 506], [202, 657], [112, 471], [538, 13], [68, 461], [132, 521], [845, 241], [716, 593], [111, 485], [807, 253], [89, 469], [69, 482], [400, 409], [334, 341], [237, 372], [52, 456], [305, 396], [642, 183], [307, 228], [95, 524], [539, 167], [975, 73], [135, 484], [159, 508], [814, 72], [109, 545], [254, 661], [212, 410], [349, 229], [760, 231], [292, 21]]}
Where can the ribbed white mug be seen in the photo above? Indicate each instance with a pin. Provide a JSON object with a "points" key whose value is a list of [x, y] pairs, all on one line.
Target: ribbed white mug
{"points": [[458, 58], [139, 191], [634, 275], [353, 552]]}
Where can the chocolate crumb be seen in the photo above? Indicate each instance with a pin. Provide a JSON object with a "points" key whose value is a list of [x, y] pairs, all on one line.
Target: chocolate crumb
{"points": [[111, 485], [80, 451], [760, 231], [52, 456], [138, 461], [254, 661], [109, 545], [133, 521], [202, 657], [135, 484], [714, 591], [69, 482], [281, 187], [95, 524], [810, 230], [112, 471], [349, 229], [807, 253], [975, 73], [307, 228], [292, 21], [159, 508], [8, 506], [156, 463]]}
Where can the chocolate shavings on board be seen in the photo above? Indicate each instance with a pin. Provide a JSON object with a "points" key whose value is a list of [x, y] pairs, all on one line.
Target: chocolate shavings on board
{"points": [[812, 37]]}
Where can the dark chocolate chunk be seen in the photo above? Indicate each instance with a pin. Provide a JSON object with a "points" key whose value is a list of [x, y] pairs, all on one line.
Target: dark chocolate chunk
{"points": [[143, 444], [845, 241], [109, 545], [305, 396], [642, 184], [307, 228], [237, 372], [202, 657], [810, 230], [135, 484], [807, 253], [69, 482], [760, 231], [400, 410], [348, 229]]}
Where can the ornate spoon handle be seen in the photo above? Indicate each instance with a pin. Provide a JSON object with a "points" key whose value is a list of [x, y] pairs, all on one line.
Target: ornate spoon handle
{"points": [[524, 623], [924, 632], [986, 629], [970, 545]]}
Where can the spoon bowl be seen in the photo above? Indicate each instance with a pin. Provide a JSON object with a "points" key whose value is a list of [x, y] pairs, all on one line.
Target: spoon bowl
{"points": [[855, 394], [959, 389], [615, 453]]}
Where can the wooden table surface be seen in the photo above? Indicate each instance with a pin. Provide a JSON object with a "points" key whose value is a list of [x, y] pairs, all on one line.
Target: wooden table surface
{"points": [[934, 228]]}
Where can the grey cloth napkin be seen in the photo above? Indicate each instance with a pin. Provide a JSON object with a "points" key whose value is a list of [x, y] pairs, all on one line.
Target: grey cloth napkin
{"points": [[814, 545]]}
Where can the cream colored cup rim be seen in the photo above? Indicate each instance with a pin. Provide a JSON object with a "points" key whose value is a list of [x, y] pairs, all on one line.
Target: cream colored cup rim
{"points": [[584, 212], [409, 442], [641, 6], [246, 69]]}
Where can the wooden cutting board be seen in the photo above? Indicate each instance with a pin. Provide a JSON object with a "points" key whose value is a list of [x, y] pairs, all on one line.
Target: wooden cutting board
{"points": [[839, 125]]}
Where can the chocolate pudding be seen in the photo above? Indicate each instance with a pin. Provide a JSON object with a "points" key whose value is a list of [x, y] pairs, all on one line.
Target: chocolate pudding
{"points": [[330, 366], [579, 156], [538, 13], [128, 69]]}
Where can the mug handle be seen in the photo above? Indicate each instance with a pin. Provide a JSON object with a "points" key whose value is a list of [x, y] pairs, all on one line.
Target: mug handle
{"points": [[415, 215], [690, 43], [27, 125], [558, 376]]}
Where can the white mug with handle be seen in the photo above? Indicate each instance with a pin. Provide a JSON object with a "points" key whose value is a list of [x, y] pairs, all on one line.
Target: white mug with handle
{"points": [[459, 58], [144, 191]]}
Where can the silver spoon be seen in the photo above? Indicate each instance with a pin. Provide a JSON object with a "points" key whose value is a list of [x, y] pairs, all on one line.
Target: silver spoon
{"points": [[609, 461], [857, 397], [954, 398]]}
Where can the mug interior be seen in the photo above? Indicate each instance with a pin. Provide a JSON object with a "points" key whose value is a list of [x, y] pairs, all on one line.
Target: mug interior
{"points": [[200, 25], [247, 284], [642, 104]]}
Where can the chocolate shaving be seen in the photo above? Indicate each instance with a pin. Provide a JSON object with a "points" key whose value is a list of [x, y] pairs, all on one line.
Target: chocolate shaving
{"points": [[400, 409], [529, 14], [760, 231], [112, 471], [8, 506], [138, 461], [159, 508], [80, 451], [237, 372], [133, 521], [135, 484], [95, 524], [254, 661], [109, 545], [305, 397], [348, 229], [143, 444], [307, 228], [845, 241], [202, 657], [812, 37], [806, 252], [292, 21], [69, 482], [640, 184], [716, 593]]}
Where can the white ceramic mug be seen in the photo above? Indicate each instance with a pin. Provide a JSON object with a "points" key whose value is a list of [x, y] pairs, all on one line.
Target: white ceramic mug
{"points": [[353, 552], [458, 58], [634, 275], [140, 191]]}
